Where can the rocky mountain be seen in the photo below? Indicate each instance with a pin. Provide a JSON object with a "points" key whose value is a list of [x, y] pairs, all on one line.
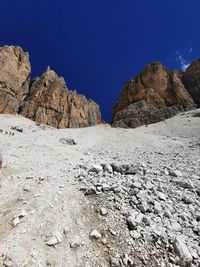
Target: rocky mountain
{"points": [[47, 99], [15, 72], [154, 95], [50, 102], [191, 79]]}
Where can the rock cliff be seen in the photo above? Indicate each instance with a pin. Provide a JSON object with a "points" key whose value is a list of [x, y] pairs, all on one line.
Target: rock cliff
{"points": [[46, 99], [49, 101], [191, 79], [154, 95], [14, 78]]}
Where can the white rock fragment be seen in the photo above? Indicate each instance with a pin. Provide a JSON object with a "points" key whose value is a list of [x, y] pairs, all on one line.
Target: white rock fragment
{"points": [[107, 168], [135, 234], [185, 258], [175, 173], [103, 211], [96, 168], [75, 243], [161, 196], [18, 216], [52, 241], [94, 234]]}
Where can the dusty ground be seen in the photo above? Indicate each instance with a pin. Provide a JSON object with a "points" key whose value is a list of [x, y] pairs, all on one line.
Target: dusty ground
{"points": [[43, 182]]}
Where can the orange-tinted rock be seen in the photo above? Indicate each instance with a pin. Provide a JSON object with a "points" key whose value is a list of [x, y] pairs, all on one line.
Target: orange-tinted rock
{"points": [[154, 95], [191, 79], [50, 102], [14, 78]]}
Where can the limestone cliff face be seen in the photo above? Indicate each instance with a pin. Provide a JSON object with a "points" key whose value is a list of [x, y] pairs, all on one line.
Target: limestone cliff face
{"points": [[49, 101], [154, 95], [46, 99], [191, 79], [14, 78]]}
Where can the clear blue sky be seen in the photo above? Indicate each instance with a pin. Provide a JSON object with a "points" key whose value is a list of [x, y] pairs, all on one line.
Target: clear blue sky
{"points": [[97, 45]]}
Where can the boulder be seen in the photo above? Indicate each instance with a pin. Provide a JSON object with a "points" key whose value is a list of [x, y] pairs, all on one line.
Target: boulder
{"points": [[154, 95], [50, 102], [15, 72], [191, 79]]}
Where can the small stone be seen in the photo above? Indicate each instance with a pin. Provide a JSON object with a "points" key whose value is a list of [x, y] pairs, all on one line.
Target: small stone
{"points": [[94, 234], [143, 207], [90, 191], [20, 214], [133, 221], [107, 168], [146, 221], [187, 200], [166, 171], [106, 187], [127, 260], [7, 263], [51, 241], [184, 184], [96, 168], [113, 232], [104, 241], [157, 207], [75, 244], [180, 248], [137, 185], [135, 234], [176, 226], [103, 211], [175, 173], [161, 196], [15, 222]]}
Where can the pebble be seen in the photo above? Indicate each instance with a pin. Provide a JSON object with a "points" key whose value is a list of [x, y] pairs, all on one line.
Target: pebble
{"points": [[180, 248], [96, 168], [75, 243], [103, 211], [94, 234]]}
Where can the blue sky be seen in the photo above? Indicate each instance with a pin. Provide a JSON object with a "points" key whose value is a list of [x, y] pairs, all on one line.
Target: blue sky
{"points": [[97, 45]]}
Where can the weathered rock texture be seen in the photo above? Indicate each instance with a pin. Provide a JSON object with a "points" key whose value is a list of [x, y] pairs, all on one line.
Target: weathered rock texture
{"points": [[154, 95], [46, 99], [191, 79], [49, 101], [14, 78]]}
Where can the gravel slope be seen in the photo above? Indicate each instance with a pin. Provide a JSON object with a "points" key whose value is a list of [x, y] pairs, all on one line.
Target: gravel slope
{"points": [[52, 195]]}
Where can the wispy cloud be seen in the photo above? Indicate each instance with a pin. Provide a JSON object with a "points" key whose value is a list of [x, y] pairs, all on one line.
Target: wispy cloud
{"points": [[184, 63], [181, 58]]}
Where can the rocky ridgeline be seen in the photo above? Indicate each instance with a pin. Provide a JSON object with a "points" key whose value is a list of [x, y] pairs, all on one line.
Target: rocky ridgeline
{"points": [[46, 99], [150, 210], [156, 94]]}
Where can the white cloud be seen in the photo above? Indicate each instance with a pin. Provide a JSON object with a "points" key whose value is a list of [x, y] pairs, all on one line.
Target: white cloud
{"points": [[184, 64], [182, 61]]}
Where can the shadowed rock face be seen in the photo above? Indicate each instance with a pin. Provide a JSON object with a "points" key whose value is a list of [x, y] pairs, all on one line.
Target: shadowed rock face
{"points": [[46, 99], [154, 95], [49, 101], [14, 78], [191, 79]]}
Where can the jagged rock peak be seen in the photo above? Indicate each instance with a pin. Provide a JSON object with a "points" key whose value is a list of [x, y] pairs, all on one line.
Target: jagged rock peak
{"points": [[155, 94], [45, 99], [49, 101]]}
